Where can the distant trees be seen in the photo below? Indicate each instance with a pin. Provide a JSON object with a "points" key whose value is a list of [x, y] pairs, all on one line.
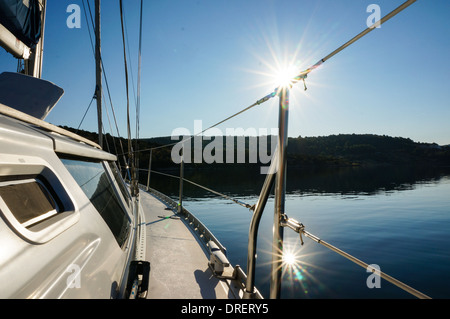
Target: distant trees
{"points": [[366, 149], [332, 150]]}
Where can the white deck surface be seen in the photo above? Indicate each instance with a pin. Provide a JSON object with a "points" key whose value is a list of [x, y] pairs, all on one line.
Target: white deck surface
{"points": [[179, 265]]}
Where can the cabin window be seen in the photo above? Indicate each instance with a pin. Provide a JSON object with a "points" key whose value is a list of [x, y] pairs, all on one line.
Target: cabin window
{"points": [[33, 202], [28, 200], [123, 188], [98, 187]]}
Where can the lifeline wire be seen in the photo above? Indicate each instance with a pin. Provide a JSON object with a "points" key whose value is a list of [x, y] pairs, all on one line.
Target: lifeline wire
{"points": [[392, 280], [205, 188], [300, 229]]}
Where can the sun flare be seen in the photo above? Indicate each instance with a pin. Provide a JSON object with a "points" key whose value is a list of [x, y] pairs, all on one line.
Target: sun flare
{"points": [[289, 258], [284, 77]]}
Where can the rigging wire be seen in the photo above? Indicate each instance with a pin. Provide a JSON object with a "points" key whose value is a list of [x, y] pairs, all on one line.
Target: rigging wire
{"points": [[303, 75], [212, 126], [110, 127], [104, 76], [130, 153], [138, 93], [129, 58], [138, 104], [92, 24], [126, 75], [130, 66], [89, 106], [106, 140], [89, 25]]}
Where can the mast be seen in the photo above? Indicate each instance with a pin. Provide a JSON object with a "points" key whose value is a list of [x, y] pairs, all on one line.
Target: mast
{"points": [[39, 52], [98, 72], [33, 63]]}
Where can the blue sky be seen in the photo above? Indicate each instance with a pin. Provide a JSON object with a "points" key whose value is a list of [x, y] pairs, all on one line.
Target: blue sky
{"points": [[207, 59]]}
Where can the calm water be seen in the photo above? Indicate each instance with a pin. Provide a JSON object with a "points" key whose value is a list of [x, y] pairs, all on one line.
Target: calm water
{"points": [[397, 218]]}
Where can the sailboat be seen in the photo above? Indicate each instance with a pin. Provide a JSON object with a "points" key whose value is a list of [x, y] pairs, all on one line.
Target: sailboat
{"points": [[80, 229], [67, 215]]}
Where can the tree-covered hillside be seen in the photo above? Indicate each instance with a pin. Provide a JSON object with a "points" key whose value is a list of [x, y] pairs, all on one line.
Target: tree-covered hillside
{"points": [[333, 150]]}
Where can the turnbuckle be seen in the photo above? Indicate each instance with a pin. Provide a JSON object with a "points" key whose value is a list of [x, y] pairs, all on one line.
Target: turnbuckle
{"points": [[293, 224], [302, 76]]}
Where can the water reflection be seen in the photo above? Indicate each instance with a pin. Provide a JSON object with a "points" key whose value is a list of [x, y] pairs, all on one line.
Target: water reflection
{"points": [[394, 224], [243, 182]]}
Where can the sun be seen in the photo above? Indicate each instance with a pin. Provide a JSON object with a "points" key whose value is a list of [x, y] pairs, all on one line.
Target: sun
{"points": [[289, 258], [284, 76]]}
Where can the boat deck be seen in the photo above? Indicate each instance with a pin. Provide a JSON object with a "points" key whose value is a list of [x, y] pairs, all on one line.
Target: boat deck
{"points": [[178, 261]]}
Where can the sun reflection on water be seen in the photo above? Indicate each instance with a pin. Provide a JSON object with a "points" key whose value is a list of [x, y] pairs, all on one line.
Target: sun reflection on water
{"points": [[298, 272], [298, 268]]}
